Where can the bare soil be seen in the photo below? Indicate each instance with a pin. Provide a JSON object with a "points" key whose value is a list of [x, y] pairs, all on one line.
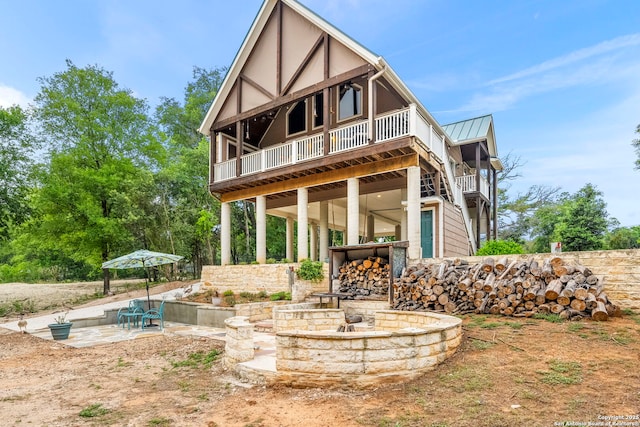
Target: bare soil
{"points": [[507, 372]]}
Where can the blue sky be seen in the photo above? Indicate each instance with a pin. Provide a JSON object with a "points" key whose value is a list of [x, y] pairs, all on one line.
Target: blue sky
{"points": [[561, 77]]}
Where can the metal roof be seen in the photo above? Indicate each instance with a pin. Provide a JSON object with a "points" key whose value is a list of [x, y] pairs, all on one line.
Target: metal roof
{"points": [[469, 129]]}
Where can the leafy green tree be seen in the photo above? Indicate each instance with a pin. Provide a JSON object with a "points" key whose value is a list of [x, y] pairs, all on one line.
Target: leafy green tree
{"points": [[636, 144], [102, 151], [186, 213], [579, 221], [516, 213], [585, 221], [17, 148], [623, 238]]}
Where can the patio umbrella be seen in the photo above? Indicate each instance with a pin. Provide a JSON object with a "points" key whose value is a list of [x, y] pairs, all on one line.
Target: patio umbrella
{"points": [[144, 259]]}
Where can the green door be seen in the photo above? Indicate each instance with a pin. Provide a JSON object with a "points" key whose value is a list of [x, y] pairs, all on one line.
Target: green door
{"points": [[426, 227]]}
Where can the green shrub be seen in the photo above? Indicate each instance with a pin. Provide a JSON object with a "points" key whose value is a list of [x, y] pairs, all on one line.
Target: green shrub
{"points": [[310, 270], [280, 296], [500, 247], [285, 261], [270, 261], [228, 293]]}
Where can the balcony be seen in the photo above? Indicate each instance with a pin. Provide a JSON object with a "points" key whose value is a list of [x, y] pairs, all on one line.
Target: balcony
{"points": [[402, 123], [469, 185]]}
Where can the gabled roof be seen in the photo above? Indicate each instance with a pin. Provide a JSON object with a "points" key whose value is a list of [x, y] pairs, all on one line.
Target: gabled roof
{"points": [[475, 130], [253, 36], [470, 129]]}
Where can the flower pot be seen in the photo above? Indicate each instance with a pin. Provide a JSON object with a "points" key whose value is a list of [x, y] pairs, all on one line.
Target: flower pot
{"points": [[216, 301], [60, 331]]}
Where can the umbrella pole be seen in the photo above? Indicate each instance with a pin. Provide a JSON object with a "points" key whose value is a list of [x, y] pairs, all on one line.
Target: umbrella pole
{"points": [[148, 297]]}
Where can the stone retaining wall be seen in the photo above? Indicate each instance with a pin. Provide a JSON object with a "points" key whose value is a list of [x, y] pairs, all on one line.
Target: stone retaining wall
{"points": [[256, 311], [619, 268], [270, 278], [239, 345], [306, 317], [369, 358]]}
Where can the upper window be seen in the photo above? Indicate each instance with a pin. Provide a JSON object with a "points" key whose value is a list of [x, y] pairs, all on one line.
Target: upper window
{"points": [[318, 110], [297, 118], [349, 101]]}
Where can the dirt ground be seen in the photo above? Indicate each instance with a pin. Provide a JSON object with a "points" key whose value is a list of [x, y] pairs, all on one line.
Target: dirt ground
{"points": [[507, 372]]}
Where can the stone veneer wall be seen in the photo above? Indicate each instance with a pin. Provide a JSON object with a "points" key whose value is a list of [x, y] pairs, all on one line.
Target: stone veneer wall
{"points": [[239, 345], [619, 268], [365, 308], [306, 317], [256, 311], [270, 278], [369, 358]]}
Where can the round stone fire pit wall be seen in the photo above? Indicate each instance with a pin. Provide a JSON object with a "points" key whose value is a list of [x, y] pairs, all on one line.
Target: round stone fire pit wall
{"points": [[402, 346]]}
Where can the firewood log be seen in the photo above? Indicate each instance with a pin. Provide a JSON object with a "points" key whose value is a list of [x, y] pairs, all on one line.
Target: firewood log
{"points": [[487, 265], [599, 314], [553, 290]]}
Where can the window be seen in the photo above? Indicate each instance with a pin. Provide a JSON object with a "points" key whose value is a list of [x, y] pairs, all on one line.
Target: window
{"points": [[297, 118], [318, 110], [349, 101]]}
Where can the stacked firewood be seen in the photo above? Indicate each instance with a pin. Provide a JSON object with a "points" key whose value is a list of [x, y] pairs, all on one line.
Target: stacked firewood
{"points": [[364, 277], [501, 286]]}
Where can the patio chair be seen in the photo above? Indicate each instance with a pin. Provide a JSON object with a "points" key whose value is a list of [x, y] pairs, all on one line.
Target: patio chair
{"points": [[134, 311], [154, 313]]}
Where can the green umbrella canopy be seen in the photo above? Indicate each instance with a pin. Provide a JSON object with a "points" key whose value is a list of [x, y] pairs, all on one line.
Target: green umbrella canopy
{"points": [[141, 258], [144, 259]]}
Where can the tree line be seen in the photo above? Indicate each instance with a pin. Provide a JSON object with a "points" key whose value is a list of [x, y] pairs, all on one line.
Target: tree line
{"points": [[89, 172]]}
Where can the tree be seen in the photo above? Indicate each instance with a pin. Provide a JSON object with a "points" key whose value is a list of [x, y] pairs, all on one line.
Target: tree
{"points": [[17, 149], [623, 238], [579, 221], [636, 144], [102, 151], [186, 211], [584, 221], [516, 214]]}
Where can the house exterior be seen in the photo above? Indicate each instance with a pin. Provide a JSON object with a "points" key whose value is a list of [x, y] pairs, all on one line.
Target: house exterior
{"points": [[315, 128]]}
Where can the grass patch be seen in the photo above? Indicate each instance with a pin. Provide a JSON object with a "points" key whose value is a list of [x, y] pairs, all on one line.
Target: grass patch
{"points": [[514, 325], [549, 317], [562, 373], [160, 421], [17, 307], [197, 360], [575, 327], [95, 410], [622, 337], [481, 345], [122, 364], [491, 325], [467, 378]]}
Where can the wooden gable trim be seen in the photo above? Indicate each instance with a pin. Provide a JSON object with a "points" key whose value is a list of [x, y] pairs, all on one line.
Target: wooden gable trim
{"points": [[385, 165], [279, 48], [303, 64], [244, 78], [291, 97]]}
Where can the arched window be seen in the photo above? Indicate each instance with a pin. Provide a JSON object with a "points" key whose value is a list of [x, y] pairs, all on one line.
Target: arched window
{"points": [[297, 118], [349, 101]]}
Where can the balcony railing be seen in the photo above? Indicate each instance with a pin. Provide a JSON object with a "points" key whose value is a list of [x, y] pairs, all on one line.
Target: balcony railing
{"points": [[402, 123], [469, 185]]}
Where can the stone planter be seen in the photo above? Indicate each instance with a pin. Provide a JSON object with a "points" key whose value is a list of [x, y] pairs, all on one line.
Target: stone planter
{"points": [[60, 331]]}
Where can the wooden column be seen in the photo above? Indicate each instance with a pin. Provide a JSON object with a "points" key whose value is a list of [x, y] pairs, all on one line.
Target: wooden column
{"points": [[353, 211], [213, 155], [478, 198], [261, 229], [303, 226], [494, 204]]}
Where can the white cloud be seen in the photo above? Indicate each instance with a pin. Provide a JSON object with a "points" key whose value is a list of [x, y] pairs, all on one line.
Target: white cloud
{"points": [[594, 149], [573, 57], [616, 60], [10, 96]]}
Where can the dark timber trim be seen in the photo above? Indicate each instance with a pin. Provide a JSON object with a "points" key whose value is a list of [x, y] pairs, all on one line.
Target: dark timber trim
{"points": [[294, 96]]}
